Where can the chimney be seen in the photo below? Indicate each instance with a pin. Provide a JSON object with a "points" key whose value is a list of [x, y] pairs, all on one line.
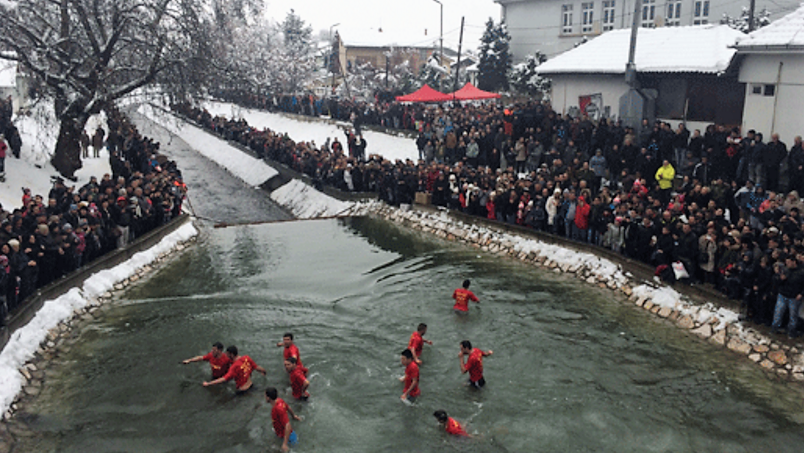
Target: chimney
{"points": [[425, 32], [380, 29]]}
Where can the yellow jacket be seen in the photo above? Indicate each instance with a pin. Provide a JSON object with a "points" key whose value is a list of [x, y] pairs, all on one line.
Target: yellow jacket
{"points": [[665, 176]]}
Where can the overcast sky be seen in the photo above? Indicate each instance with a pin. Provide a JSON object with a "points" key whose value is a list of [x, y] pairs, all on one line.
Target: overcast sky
{"points": [[393, 15]]}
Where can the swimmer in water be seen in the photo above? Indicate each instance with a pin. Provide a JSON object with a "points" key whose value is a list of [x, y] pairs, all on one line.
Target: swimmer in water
{"points": [[241, 369], [462, 297], [473, 364], [416, 342], [450, 425]]}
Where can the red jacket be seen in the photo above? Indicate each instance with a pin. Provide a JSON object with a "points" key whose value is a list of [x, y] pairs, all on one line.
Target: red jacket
{"points": [[582, 216]]}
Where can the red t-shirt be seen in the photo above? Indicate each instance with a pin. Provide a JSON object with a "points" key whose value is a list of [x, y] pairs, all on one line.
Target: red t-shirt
{"points": [[279, 415], [416, 343], [297, 382], [219, 365], [241, 370], [462, 298], [293, 351], [475, 365], [411, 373], [455, 428]]}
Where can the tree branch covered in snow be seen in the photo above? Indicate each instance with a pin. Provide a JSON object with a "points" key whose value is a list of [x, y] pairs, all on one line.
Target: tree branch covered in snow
{"points": [[89, 53], [761, 19], [525, 77]]}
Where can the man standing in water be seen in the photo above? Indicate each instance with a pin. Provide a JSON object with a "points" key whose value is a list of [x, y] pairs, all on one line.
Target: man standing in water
{"points": [[240, 371], [473, 364], [298, 382], [462, 297], [291, 351], [281, 421], [218, 360], [416, 343], [411, 378]]}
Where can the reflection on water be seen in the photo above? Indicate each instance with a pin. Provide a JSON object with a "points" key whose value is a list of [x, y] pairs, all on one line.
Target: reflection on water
{"points": [[574, 368]]}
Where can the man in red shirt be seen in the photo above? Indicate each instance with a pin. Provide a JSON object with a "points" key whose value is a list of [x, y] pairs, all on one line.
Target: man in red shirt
{"points": [[291, 350], [451, 426], [473, 364], [218, 361], [298, 382], [281, 421], [462, 297], [411, 378], [416, 343], [240, 371]]}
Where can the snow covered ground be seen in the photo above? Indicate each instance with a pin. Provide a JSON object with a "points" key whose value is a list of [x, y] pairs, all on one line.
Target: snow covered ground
{"points": [[391, 147], [39, 131]]}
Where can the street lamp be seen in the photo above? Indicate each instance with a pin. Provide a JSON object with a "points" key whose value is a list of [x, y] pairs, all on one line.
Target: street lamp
{"points": [[441, 34]]}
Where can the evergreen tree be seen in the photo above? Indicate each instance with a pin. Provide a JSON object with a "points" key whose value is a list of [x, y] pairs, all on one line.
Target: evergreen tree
{"points": [[525, 77], [495, 57], [298, 56]]}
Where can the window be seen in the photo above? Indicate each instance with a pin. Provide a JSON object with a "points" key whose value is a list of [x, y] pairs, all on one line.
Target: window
{"points": [[673, 13], [756, 89], [587, 12], [700, 14], [566, 19], [648, 13], [770, 90], [608, 15]]}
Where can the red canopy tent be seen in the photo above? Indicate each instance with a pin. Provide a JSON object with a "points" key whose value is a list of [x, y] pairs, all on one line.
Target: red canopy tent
{"points": [[424, 94], [470, 92]]}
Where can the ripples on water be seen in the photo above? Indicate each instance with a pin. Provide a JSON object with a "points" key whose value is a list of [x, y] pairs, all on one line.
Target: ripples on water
{"points": [[574, 368]]}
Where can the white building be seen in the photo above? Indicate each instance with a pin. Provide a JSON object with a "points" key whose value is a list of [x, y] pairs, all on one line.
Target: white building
{"points": [[773, 72], [554, 26], [688, 72]]}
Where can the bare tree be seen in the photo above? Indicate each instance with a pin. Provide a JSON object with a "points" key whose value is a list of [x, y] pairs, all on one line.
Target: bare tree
{"points": [[90, 53]]}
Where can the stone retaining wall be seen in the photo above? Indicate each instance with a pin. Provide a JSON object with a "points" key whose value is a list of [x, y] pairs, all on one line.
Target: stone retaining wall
{"points": [[705, 320]]}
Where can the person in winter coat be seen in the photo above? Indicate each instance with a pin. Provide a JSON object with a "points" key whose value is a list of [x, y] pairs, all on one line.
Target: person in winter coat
{"points": [[97, 141], [3, 149], [614, 238], [551, 207], [665, 176], [580, 229]]}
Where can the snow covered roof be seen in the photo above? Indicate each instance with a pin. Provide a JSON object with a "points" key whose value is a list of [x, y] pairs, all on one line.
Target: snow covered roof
{"points": [[702, 48], [786, 33], [385, 38], [8, 73]]}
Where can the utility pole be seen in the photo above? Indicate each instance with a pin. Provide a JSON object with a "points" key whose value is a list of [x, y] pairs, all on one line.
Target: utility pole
{"points": [[630, 67], [751, 16], [458, 66], [441, 34]]}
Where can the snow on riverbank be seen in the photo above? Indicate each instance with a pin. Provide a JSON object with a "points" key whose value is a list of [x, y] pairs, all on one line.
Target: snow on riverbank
{"points": [[391, 147], [249, 169], [25, 341]]}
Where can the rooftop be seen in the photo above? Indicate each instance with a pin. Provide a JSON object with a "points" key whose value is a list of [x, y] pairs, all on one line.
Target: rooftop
{"points": [[702, 48], [387, 38]]}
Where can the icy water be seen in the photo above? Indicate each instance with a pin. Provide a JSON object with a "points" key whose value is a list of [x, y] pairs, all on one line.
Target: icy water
{"points": [[573, 370]]}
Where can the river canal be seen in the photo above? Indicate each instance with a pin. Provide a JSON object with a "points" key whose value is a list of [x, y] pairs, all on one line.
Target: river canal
{"points": [[575, 369]]}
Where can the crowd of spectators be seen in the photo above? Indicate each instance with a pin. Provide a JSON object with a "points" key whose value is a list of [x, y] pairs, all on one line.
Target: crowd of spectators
{"points": [[47, 238], [714, 206]]}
